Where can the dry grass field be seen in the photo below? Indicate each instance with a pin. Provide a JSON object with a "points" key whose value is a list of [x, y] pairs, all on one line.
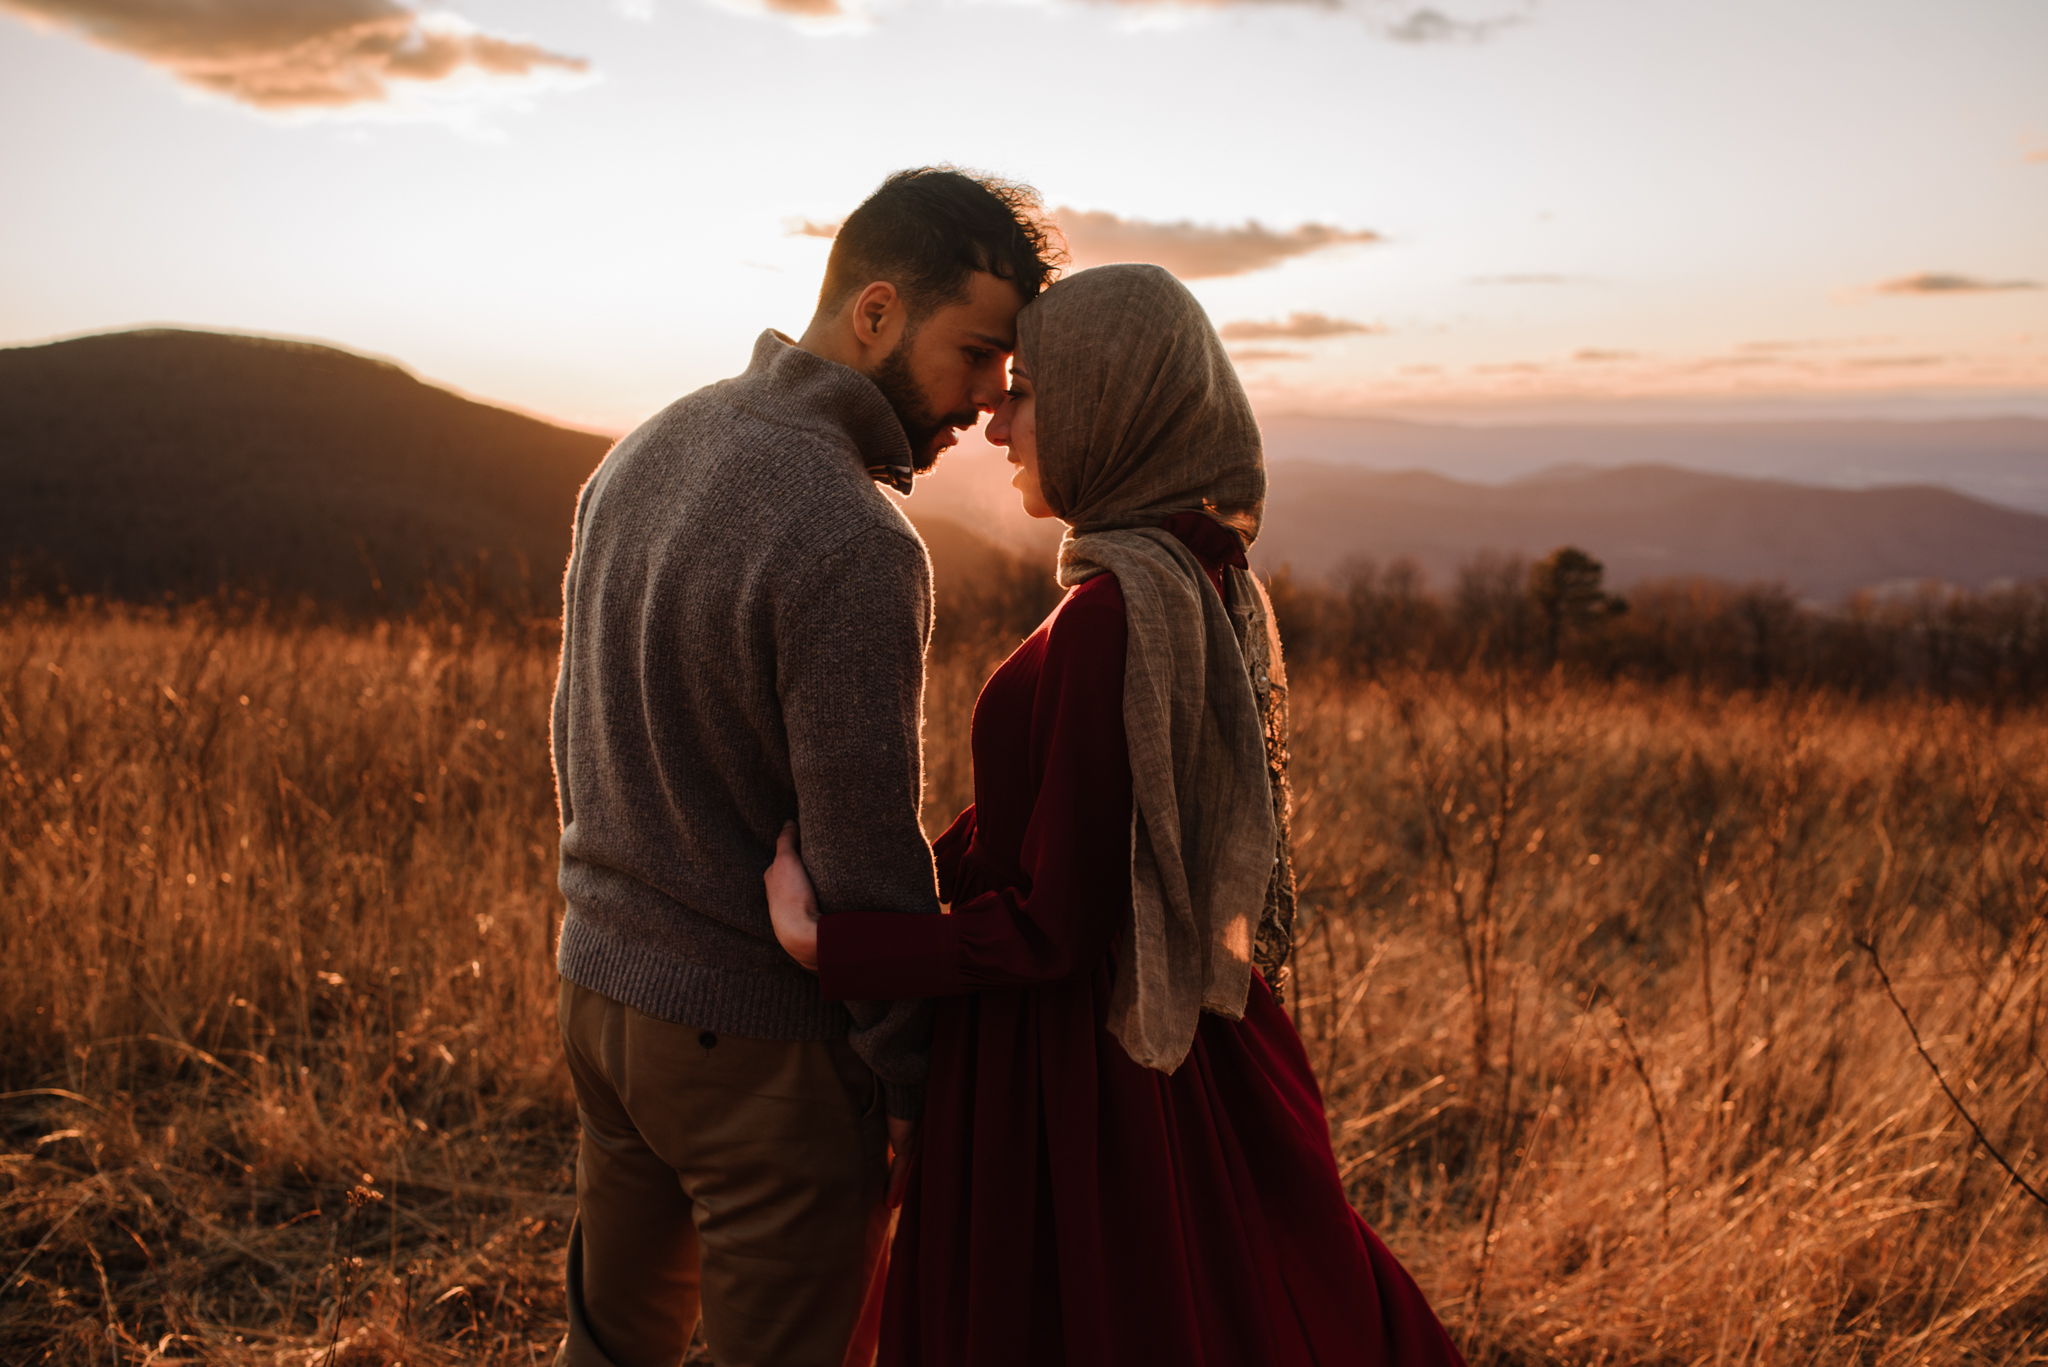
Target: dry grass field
{"points": [[1582, 966]]}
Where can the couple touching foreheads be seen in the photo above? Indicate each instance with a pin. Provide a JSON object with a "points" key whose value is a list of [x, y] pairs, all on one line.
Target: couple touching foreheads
{"points": [[1060, 1017]]}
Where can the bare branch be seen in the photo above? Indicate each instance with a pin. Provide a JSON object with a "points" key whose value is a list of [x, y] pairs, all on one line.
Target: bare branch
{"points": [[1869, 946]]}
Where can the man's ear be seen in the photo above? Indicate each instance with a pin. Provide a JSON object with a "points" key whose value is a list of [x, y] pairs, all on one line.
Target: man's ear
{"points": [[878, 315]]}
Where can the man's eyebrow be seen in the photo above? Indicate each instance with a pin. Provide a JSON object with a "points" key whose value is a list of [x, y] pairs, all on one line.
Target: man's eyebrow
{"points": [[990, 339]]}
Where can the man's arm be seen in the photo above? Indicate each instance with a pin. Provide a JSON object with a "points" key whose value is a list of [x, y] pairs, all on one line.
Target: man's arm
{"points": [[851, 638]]}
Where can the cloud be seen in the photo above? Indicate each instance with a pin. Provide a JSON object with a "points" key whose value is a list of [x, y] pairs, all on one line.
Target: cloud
{"points": [[2038, 154], [1941, 282], [1895, 362], [1257, 353], [1745, 361], [810, 227], [294, 54], [1434, 26], [1815, 343], [806, 9], [1595, 354], [1523, 279], [1424, 24], [1303, 326], [1194, 251]]}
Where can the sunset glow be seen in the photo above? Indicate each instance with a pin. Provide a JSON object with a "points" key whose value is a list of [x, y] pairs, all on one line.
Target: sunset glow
{"points": [[586, 209]]}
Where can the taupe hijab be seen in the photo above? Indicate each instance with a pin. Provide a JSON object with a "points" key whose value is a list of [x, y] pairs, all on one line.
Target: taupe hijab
{"points": [[1140, 415]]}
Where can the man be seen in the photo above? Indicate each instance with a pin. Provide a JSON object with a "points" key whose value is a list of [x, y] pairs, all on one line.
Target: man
{"points": [[744, 622]]}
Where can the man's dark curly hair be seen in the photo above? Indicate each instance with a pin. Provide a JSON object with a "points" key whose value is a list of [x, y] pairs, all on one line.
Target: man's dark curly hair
{"points": [[927, 230]]}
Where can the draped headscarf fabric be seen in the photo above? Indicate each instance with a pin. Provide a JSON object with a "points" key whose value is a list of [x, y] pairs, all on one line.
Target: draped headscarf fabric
{"points": [[1139, 416]]}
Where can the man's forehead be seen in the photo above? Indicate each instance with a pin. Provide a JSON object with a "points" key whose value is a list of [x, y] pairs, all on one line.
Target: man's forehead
{"points": [[964, 325], [988, 315]]}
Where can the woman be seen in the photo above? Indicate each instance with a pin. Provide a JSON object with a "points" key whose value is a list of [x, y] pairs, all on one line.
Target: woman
{"points": [[1124, 1155]]}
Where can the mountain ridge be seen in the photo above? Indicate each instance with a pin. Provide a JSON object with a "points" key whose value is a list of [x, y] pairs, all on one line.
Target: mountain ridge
{"points": [[1999, 459], [167, 460], [1649, 522]]}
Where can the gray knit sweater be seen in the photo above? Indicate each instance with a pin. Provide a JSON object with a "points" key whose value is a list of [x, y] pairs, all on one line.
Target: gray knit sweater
{"points": [[743, 633]]}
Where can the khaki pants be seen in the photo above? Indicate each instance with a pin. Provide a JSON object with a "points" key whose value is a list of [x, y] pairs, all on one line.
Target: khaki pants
{"points": [[741, 1176]]}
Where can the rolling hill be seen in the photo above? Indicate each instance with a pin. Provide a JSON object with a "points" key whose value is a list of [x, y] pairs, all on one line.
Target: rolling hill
{"points": [[1652, 522], [158, 461], [2000, 460], [139, 463]]}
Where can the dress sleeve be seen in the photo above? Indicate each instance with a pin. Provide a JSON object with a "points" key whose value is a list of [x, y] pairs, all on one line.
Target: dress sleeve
{"points": [[1074, 884], [947, 852]]}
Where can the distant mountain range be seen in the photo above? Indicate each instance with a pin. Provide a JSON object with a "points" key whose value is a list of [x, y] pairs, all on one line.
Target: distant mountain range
{"points": [[1643, 521], [1653, 522], [2000, 460], [138, 463]]}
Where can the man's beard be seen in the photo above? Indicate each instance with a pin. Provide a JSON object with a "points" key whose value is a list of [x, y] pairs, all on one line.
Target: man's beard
{"points": [[913, 409]]}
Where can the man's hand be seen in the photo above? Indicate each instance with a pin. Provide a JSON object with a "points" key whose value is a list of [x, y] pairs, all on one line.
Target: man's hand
{"points": [[792, 902], [902, 1148]]}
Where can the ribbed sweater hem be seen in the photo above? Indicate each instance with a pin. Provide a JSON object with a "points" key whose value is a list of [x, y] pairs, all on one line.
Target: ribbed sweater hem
{"points": [[903, 1100], [736, 1002]]}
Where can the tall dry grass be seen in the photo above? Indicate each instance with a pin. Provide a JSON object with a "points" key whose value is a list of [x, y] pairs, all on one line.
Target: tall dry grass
{"points": [[1584, 971], [1579, 966], [277, 1050]]}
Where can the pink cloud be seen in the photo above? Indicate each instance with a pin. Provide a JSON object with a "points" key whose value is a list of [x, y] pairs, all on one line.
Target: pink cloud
{"points": [[292, 54], [1942, 282], [1302, 326], [1195, 251]]}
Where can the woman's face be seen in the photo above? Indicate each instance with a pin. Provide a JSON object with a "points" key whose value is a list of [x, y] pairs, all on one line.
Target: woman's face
{"points": [[1015, 425]]}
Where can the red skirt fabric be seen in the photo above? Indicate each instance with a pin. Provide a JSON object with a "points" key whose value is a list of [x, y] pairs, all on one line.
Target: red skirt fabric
{"points": [[1072, 1207], [1069, 1206]]}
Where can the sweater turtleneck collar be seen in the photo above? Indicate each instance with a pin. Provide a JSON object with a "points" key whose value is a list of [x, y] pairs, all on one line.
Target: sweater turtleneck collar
{"points": [[807, 390]]}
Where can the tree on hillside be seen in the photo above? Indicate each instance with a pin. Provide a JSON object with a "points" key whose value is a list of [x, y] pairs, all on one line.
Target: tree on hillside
{"points": [[1389, 617], [1493, 611], [1566, 588]]}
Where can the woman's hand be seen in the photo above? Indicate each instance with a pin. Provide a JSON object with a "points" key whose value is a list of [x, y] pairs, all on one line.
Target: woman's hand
{"points": [[792, 902]]}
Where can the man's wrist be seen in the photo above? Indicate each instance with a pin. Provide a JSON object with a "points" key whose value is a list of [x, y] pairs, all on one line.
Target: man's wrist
{"points": [[903, 1100]]}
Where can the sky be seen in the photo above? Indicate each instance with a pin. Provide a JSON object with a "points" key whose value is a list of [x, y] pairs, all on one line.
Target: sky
{"points": [[1475, 210]]}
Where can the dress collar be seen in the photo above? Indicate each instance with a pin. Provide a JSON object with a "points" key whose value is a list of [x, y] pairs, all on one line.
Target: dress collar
{"points": [[1214, 544]]}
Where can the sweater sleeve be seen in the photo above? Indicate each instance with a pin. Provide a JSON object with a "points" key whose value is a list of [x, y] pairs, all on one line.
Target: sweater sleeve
{"points": [[851, 637], [1057, 918]]}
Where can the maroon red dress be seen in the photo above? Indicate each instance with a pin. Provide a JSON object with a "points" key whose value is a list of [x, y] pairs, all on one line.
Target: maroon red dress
{"points": [[1068, 1205]]}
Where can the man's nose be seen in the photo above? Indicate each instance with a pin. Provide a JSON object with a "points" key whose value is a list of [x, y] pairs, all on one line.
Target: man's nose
{"points": [[991, 386]]}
